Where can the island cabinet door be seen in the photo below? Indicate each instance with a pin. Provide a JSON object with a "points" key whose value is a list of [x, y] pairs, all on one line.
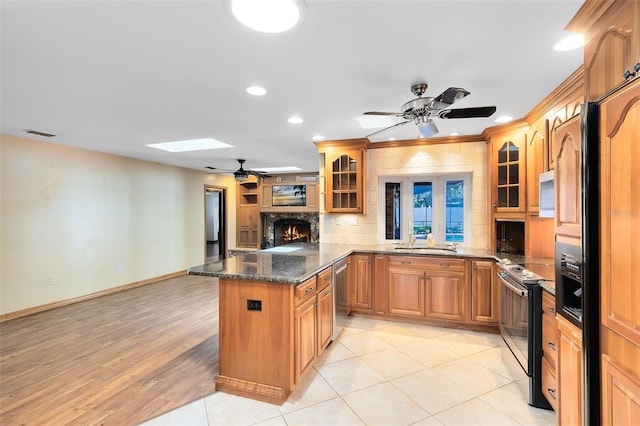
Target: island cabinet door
{"points": [[445, 295], [305, 337], [325, 317]]}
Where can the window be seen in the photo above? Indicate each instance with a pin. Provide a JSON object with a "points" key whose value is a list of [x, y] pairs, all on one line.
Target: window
{"points": [[421, 205]]}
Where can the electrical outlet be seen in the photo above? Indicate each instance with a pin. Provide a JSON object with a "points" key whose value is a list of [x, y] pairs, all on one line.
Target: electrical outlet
{"points": [[337, 221], [353, 221], [120, 268], [51, 281], [254, 305]]}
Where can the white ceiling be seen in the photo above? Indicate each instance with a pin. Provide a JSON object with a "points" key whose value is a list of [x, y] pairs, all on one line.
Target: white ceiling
{"points": [[114, 76]]}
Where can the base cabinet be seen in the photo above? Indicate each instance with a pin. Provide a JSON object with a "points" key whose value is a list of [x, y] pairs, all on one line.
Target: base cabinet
{"points": [[361, 283], [305, 337], [484, 292], [620, 394], [428, 287], [324, 326], [570, 376]]}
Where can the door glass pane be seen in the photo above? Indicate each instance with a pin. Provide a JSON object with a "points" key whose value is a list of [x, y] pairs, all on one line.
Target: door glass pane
{"points": [[502, 154], [422, 209], [513, 196], [513, 174], [454, 211], [502, 175], [392, 210], [514, 153], [502, 197]]}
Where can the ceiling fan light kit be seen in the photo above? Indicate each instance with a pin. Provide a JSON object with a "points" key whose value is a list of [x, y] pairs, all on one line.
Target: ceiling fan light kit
{"points": [[242, 174], [421, 110]]}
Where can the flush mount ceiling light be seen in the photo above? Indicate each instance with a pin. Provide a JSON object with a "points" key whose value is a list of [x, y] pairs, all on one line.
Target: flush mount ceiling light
{"points": [[190, 145], [570, 42], [256, 90], [268, 16]]}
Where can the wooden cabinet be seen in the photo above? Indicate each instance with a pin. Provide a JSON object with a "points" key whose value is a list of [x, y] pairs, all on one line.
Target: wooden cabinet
{"points": [[325, 309], [612, 43], [361, 284], [620, 394], [537, 154], [549, 350], [568, 186], [570, 375], [290, 193], [509, 171], [429, 287], [484, 292], [247, 214], [344, 167], [619, 255], [406, 290], [305, 342]]}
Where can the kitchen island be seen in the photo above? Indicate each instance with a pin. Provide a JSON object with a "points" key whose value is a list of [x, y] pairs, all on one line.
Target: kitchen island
{"points": [[278, 306]]}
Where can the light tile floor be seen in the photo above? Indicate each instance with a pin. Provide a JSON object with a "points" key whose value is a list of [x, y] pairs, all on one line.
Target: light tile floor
{"points": [[387, 373]]}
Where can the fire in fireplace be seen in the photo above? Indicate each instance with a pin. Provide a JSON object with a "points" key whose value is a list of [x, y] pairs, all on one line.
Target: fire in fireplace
{"points": [[287, 231]]}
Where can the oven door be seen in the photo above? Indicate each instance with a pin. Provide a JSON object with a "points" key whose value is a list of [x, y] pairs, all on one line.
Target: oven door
{"points": [[514, 319]]}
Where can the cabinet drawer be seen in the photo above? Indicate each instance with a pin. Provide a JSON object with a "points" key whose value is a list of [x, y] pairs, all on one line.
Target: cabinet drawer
{"points": [[305, 290], [550, 338], [324, 278], [549, 383], [443, 263], [548, 303]]}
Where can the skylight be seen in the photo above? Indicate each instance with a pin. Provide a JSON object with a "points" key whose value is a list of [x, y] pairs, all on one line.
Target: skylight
{"points": [[278, 169], [190, 145]]}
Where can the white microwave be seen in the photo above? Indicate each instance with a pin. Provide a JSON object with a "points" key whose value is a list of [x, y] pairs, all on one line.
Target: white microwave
{"points": [[547, 194]]}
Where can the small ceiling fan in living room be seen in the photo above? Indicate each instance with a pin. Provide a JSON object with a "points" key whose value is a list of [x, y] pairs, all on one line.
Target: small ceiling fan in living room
{"points": [[241, 174], [422, 110]]}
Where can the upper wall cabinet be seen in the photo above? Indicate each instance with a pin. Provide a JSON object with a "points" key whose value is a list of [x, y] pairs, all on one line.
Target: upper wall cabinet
{"points": [[344, 175], [537, 154], [568, 217], [508, 155], [290, 193], [612, 48]]}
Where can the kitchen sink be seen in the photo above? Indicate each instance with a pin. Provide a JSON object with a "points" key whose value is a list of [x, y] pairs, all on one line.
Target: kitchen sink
{"points": [[428, 250]]}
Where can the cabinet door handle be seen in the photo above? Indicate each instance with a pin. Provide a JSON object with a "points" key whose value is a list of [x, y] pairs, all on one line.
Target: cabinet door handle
{"points": [[552, 393], [309, 290], [405, 262], [551, 345], [444, 265], [475, 267], [326, 293], [551, 310]]}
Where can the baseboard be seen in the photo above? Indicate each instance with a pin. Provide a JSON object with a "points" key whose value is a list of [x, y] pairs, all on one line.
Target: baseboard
{"points": [[54, 305]]}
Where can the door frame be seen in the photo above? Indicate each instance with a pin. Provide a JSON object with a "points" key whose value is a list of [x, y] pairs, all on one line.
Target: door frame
{"points": [[223, 219]]}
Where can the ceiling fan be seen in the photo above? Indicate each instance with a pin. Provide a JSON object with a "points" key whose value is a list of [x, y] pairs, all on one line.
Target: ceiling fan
{"points": [[241, 174], [421, 110]]}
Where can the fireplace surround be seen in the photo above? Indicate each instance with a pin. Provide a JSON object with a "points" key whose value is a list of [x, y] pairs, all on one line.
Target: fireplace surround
{"points": [[286, 228]]}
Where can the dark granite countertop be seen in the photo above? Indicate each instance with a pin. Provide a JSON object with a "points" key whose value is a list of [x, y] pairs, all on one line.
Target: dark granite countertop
{"points": [[296, 263]]}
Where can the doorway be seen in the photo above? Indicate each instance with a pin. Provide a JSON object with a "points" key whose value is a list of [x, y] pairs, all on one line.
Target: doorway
{"points": [[215, 223]]}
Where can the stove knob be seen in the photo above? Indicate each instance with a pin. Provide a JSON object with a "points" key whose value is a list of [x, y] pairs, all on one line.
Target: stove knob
{"points": [[527, 273]]}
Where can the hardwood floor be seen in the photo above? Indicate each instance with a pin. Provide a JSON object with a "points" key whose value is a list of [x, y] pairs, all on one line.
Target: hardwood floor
{"points": [[114, 360]]}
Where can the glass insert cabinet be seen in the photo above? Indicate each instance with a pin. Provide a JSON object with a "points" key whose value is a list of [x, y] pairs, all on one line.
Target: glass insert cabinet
{"points": [[343, 175]]}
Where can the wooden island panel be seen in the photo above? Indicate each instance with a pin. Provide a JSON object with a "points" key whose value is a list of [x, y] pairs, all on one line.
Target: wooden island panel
{"points": [[256, 347]]}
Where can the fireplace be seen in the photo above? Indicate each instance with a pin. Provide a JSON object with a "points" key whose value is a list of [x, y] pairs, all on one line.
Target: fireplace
{"points": [[287, 231], [287, 228]]}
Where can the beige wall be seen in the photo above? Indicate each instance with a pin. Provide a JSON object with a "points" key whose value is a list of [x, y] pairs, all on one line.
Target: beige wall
{"points": [[413, 160], [70, 217]]}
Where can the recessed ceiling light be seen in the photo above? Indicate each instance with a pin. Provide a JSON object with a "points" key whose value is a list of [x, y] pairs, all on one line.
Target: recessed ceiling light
{"points": [[570, 42], [504, 119], [295, 120], [454, 134], [318, 138], [256, 90], [278, 169], [268, 16], [391, 139], [190, 145]]}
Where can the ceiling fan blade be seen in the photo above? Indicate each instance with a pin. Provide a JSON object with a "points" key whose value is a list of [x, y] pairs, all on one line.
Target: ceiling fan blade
{"points": [[467, 112], [390, 127], [448, 97], [399, 114]]}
